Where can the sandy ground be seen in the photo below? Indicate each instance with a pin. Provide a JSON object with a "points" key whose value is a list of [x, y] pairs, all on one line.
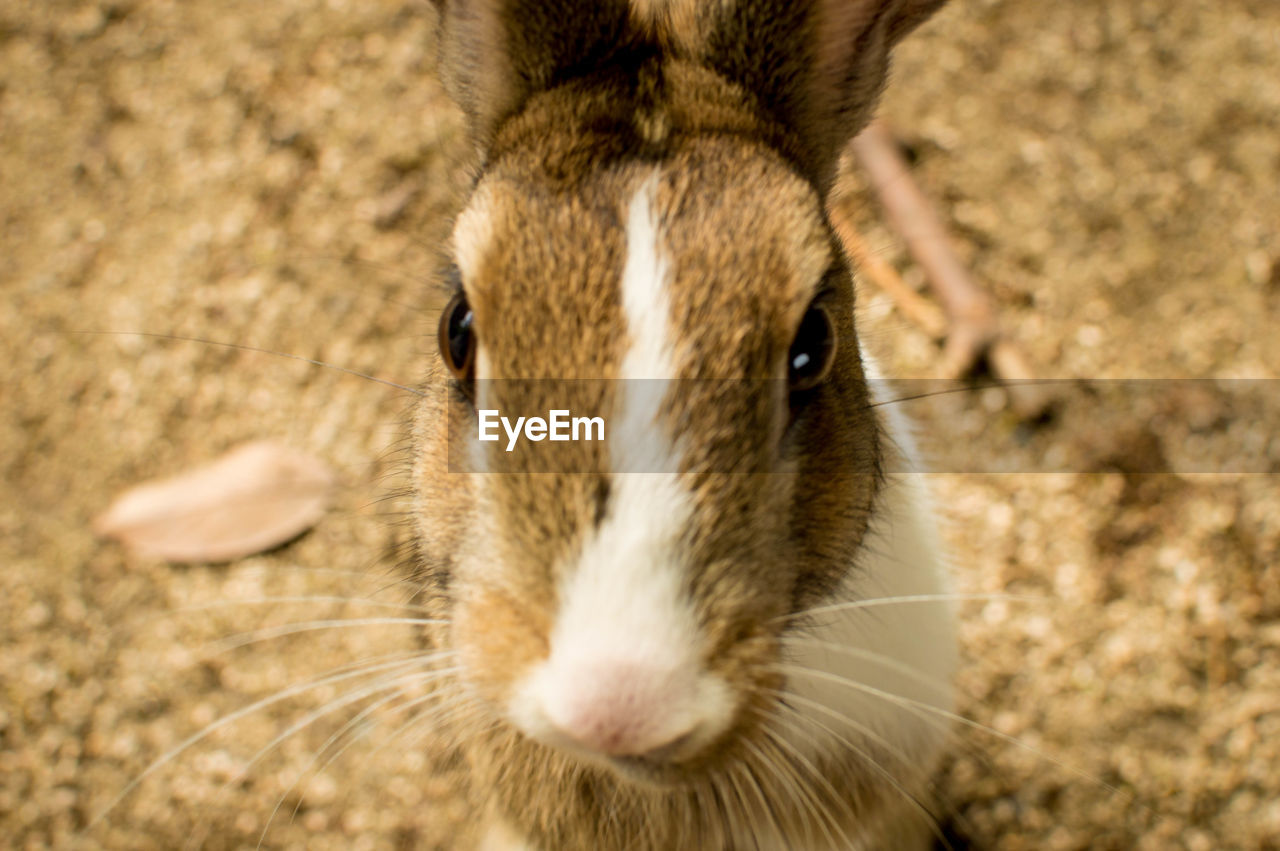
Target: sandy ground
{"points": [[279, 174]]}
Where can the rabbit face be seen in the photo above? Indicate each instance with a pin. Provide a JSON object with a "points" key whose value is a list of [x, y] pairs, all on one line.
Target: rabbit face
{"points": [[646, 243], [623, 602]]}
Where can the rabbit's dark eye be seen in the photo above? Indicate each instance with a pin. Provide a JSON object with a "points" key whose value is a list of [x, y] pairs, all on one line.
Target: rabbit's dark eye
{"points": [[457, 341], [813, 351]]}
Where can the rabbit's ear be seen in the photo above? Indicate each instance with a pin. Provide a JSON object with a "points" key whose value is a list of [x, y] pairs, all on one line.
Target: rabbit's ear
{"points": [[495, 54], [817, 65]]}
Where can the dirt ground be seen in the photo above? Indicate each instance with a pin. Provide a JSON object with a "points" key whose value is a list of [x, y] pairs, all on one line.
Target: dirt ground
{"points": [[280, 174]]}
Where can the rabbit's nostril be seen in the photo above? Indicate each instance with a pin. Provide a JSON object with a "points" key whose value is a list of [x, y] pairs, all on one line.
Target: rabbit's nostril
{"points": [[625, 710]]}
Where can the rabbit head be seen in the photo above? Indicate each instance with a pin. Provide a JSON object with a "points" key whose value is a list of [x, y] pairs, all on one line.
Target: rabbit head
{"points": [[645, 242]]}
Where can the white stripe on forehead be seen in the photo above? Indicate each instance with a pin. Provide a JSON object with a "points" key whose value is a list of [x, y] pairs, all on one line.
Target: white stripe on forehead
{"points": [[648, 365], [625, 597]]}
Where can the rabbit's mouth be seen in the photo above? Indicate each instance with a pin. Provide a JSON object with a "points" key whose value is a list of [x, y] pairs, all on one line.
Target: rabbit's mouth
{"points": [[689, 761], [651, 771], [670, 767]]}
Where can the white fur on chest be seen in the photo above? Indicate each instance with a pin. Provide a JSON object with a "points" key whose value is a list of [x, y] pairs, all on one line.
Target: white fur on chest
{"points": [[884, 651]]}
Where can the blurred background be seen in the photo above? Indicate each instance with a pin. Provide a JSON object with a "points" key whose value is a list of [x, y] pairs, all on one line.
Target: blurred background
{"points": [[280, 175]]}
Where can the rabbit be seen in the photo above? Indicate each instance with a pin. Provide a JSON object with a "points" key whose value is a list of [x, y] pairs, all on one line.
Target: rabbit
{"points": [[725, 625]]}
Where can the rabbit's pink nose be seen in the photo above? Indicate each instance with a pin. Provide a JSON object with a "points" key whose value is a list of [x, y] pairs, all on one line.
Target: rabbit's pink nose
{"points": [[623, 709]]}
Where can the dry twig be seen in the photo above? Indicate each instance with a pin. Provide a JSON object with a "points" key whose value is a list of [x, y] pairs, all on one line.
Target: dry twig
{"points": [[967, 322]]}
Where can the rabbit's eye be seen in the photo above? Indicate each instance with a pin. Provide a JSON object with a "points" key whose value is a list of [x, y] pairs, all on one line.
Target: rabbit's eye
{"points": [[457, 342], [813, 351]]}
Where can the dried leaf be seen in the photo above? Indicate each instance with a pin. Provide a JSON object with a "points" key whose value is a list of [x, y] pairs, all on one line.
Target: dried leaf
{"points": [[257, 496]]}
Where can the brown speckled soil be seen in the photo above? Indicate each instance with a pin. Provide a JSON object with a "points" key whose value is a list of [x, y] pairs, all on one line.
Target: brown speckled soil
{"points": [[279, 174]]}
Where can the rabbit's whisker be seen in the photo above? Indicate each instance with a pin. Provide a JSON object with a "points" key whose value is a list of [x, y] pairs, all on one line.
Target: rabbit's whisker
{"points": [[701, 792], [766, 806], [354, 739], [939, 686], [352, 724], [380, 500], [874, 602], [379, 685], [452, 704], [971, 388], [419, 726], [227, 720], [786, 698], [329, 707], [823, 810], [794, 787], [934, 827], [303, 598], [260, 570], [916, 707], [448, 709], [452, 708], [736, 802], [257, 636]]}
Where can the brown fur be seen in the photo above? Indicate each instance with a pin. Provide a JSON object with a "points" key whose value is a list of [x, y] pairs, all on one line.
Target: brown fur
{"points": [[743, 105]]}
